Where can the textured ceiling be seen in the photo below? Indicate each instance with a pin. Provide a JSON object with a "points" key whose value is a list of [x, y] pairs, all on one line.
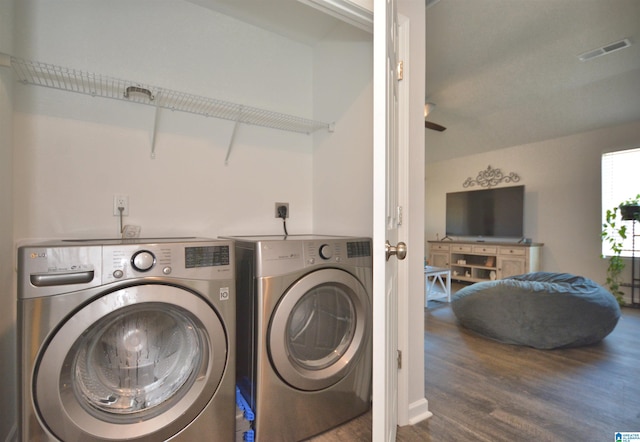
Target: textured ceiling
{"points": [[505, 73]]}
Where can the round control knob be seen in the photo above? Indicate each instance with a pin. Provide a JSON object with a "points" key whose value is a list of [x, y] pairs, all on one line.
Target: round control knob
{"points": [[118, 274], [143, 260], [326, 252]]}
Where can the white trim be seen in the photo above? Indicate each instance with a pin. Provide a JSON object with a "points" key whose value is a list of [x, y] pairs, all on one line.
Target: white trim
{"points": [[404, 38], [379, 418], [419, 411], [350, 11]]}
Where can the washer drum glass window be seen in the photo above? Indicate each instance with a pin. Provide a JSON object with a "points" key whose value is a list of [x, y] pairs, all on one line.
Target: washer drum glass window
{"points": [[319, 329], [135, 363], [139, 361]]}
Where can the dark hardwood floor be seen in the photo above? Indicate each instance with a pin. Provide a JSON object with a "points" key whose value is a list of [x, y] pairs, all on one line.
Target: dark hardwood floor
{"points": [[481, 390]]}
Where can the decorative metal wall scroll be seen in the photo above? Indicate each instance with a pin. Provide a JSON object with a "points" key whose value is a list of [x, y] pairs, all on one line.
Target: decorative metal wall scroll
{"points": [[491, 177]]}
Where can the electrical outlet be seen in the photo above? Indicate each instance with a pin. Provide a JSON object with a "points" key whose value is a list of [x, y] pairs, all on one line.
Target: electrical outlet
{"points": [[120, 201], [286, 206]]}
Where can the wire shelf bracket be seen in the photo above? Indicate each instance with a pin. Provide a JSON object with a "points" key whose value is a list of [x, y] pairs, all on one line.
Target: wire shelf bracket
{"points": [[97, 85]]}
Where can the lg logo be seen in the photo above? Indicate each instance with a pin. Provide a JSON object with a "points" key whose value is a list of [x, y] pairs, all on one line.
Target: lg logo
{"points": [[38, 255]]}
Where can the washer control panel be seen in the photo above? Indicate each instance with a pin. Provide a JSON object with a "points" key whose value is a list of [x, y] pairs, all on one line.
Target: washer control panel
{"points": [[326, 251], [53, 267], [143, 260], [194, 261]]}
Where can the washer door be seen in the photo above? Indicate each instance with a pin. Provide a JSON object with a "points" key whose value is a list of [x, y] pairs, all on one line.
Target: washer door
{"points": [[319, 329], [139, 363]]}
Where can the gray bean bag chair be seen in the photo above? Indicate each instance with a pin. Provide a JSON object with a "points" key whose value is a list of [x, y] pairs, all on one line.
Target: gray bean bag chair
{"points": [[541, 310]]}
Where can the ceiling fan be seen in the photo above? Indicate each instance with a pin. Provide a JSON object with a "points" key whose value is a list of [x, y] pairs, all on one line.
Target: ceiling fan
{"points": [[428, 107]]}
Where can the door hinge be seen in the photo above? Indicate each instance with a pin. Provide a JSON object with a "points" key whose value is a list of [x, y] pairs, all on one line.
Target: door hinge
{"points": [[400, 70], [399, 359]]}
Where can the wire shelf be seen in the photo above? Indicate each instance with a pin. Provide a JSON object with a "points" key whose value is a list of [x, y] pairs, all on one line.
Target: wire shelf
{"points": [[96, 85]]}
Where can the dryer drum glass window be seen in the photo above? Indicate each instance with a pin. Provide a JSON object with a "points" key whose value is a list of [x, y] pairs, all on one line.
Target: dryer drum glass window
{"points": [[321, 326], [134, 363]]}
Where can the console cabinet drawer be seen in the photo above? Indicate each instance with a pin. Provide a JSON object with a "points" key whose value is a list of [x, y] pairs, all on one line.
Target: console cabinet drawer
{"points": [[485, 249], [461, 248], [515, 251], [440, 247]]}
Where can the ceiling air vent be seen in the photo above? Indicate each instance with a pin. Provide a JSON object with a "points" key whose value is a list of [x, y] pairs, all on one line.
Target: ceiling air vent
{"points": [[611, 47]]}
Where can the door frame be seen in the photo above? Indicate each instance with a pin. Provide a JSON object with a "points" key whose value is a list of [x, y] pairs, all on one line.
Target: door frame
{"points": [[403, 231], [384, 409]]}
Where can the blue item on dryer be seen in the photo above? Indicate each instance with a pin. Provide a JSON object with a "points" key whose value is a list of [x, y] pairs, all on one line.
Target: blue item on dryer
{"points": [[244, 419], [244, 406]]}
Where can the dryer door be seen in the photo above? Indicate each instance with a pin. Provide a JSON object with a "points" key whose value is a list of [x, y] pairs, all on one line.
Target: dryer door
{"points": [[139, 363], [320, 329]]}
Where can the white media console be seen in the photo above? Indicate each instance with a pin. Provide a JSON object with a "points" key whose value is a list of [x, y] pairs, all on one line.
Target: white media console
{"points": [[476, 261]]}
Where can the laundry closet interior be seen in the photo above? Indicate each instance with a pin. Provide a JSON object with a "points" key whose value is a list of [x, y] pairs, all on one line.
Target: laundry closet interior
{"points": [[185, 173], [295, 125]]}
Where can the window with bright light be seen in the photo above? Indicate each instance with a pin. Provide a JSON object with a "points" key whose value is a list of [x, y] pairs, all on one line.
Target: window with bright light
{"points": [[619, 183]]}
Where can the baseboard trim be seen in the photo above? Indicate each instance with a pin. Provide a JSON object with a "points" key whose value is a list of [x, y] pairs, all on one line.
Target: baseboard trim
{"points": [[419, 411]]}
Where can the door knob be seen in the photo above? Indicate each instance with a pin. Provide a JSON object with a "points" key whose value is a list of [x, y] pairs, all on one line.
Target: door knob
{"points": [[400, 250]]}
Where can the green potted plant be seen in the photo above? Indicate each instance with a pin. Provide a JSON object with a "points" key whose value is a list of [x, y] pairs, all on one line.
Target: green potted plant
{"points": [[614, 232]]}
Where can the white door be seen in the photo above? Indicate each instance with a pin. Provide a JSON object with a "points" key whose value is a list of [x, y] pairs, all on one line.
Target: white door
{"points": [[385, 223]]}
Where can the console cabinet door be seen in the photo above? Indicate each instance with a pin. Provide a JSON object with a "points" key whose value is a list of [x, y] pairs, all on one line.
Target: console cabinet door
{"points": [[511, 266], [439, 256], [439, 259]]}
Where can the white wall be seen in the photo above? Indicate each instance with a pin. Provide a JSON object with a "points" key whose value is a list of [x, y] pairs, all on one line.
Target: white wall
{"points": [[343, 160], [74, 152], [562, 193], [7, 275]]}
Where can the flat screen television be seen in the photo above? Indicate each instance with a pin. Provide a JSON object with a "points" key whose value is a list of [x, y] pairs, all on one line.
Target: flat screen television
{"points": [[495, 213]]}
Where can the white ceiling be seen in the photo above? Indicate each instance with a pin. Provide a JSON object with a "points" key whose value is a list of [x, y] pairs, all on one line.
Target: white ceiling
{"points": [[505, 72], [289, 18], [502, 73]]}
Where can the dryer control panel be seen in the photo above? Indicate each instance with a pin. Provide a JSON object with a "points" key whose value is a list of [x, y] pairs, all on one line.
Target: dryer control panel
{"points": [[337, 251], [281, 257]]}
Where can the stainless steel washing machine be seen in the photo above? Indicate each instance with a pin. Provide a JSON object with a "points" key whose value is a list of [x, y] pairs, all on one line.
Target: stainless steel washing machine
{"points": [[127, 340], [304, 321]]}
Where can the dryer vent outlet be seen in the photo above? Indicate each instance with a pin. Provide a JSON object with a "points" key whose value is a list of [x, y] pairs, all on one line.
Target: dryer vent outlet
{"points": [[282, 210]]}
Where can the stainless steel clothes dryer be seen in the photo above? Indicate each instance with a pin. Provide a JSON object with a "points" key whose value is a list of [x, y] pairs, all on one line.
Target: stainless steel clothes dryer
{"points": [[127, 340], [304, 332]]}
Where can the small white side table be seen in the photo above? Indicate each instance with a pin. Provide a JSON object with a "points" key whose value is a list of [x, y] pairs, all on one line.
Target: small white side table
{"points": [[437, 282]]}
